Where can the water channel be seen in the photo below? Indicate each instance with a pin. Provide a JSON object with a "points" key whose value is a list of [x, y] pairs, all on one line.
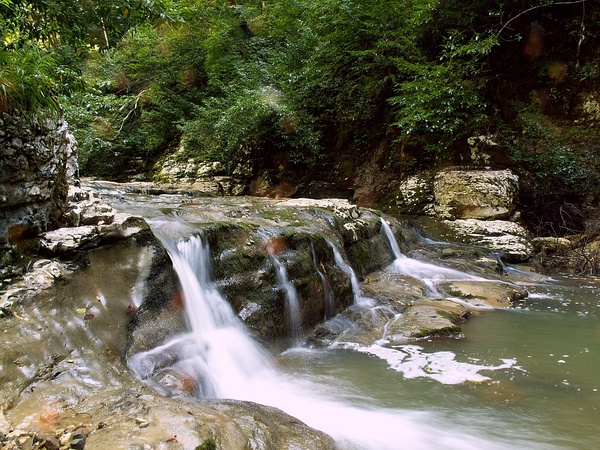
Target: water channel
{"points": [[524, 377]]}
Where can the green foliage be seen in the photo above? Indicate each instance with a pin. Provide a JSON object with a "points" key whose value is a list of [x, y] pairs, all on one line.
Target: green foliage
{"points": [[249, 130], [279, 86], [208, 444], [541, 154], [141, 91], [26, 82]]}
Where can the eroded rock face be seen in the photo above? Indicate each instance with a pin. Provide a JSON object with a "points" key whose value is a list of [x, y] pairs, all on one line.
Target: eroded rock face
{"points": [[37, 160], [204, 178], [475, 194]]}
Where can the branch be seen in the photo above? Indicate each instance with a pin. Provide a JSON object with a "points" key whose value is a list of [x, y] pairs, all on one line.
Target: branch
{"points": [[137, 99], [581, 36], [536, 7]]}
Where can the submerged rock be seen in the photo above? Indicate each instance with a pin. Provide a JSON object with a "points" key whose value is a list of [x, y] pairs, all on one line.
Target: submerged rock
{"points": [[484, 294]]}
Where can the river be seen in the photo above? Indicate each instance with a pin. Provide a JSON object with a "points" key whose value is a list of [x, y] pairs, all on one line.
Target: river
{"points": [[524, 377]]}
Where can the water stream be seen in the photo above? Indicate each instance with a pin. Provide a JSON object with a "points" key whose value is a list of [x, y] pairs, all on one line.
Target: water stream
{"points": [[429, 273], [227, 363], [525, 378]]}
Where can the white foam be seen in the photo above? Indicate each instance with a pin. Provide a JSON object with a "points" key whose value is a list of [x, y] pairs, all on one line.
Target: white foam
{"points": [[412, 362]]}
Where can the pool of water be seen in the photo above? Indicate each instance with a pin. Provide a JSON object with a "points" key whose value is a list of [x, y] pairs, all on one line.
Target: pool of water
{"points": [[550, 397]]}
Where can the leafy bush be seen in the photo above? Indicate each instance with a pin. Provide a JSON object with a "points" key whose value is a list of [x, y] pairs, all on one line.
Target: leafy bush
{"points": [[539, 151], [27, 83], [250, 130]]}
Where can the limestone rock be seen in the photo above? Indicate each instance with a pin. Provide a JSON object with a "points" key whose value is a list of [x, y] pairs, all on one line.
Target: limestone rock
{"points": [[475, 194], [415, 194], [70, 240], [479, 294], [37, 162], [508, 238], [424, 321]]}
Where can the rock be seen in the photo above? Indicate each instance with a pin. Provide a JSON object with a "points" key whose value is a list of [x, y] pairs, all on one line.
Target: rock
{"points": [[479, 294], [415, 194], [37, 163], [508, 238], [341, 207], [426, 321], [551, 244], [42, 275], [475, 194], [396, 288], [70, 240]]}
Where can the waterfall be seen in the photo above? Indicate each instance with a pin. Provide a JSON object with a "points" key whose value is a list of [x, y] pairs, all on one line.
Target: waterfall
{"points": [[217, 358], [292, 306], [359, 299], [327, 290], [387, 231], [217, 352], [428, 273]]}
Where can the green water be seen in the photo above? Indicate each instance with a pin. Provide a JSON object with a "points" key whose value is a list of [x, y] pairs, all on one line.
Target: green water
{"points": [[550, 398]]}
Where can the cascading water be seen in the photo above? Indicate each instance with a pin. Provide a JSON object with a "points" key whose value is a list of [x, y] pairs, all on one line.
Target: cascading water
{"points": [[217, 352], [426, 272], [292, 306], [359, 299], [225, 362], [548, 401]]}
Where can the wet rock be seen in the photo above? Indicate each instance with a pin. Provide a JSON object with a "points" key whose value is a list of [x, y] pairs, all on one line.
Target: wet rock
{"points": [[42, 274], [484, 293], [508, 238], [426, 320], [398, 289], [71, 240]]}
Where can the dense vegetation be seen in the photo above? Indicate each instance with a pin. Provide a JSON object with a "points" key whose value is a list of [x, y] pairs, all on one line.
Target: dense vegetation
{"points": [[293, 88]]}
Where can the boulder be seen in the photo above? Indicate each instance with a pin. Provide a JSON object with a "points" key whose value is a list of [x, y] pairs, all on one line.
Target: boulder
{"points": [[508, 238], [484, 294], [426, 321], [72, 240], [475, 194]]}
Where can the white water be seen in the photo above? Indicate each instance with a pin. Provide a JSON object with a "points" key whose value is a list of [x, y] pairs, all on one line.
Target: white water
{"points": [[217, 352], [292, 306], [359, 299], [220, 355], [429, 273]]}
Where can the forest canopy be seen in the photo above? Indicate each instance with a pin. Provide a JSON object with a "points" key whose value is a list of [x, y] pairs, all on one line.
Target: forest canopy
{"points": [[287, 86]]}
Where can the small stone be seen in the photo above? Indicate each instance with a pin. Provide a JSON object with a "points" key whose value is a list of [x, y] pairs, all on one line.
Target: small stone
{"points": [[51, 443], [66, 439], [78, 442]]}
